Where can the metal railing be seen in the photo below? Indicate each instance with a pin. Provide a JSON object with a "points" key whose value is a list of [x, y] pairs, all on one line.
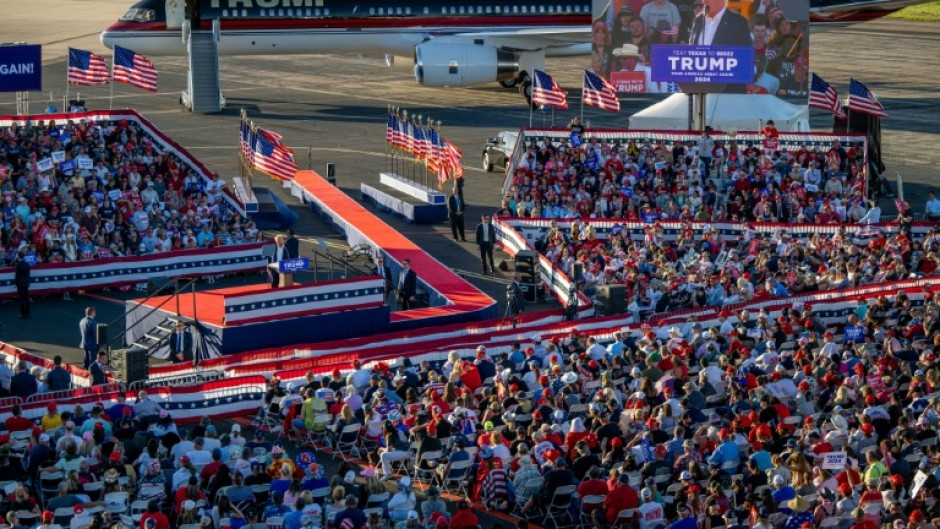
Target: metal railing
{"points": [[178, 380], [175, 295], [66, 394]]}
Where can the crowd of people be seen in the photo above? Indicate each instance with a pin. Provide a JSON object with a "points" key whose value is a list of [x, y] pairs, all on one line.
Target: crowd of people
{"points": [[701, 267], [804, 427], [707, 180], [83, 190]]}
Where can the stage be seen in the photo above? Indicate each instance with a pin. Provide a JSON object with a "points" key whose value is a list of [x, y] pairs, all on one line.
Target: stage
{"points": [[244, 318]]}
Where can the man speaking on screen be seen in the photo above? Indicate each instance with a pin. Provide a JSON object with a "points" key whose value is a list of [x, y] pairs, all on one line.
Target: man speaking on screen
{"points": [[719, 26]]}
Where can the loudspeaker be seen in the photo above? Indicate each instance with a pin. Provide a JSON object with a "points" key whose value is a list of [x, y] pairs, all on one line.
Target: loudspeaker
{"points": [[526, 262], [578, 272], [131, 365], [331, 173], [611, 299], [101, 335]]}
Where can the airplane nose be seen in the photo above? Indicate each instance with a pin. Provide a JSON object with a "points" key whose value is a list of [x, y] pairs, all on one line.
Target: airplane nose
{"points": [[108, 37]]}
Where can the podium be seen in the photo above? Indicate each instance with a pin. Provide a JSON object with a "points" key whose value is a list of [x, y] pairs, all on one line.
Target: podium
{"points": [[285, 279]]}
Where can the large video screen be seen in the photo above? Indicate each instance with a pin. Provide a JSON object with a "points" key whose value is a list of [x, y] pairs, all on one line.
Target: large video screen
{"points": [[703, 46]]}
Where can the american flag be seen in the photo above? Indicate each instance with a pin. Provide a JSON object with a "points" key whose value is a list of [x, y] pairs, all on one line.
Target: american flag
{"points": [[408, 136], [545, 92], [87, 69], [420, 142], [433, 160], [453, 155], [390, 126], [245, 140], [134, 69], [272, 158], [823, 95], [599, 93], [862, 100]]}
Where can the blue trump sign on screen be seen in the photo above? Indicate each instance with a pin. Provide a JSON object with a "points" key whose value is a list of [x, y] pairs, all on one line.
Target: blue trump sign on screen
{"points": [[21, 68], [703, 64], [289, 266]]}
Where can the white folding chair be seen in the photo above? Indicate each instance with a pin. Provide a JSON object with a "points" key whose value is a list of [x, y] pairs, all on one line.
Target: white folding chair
{"points": [[588, 505], [429, 460], [458, 476], [347, 443]]}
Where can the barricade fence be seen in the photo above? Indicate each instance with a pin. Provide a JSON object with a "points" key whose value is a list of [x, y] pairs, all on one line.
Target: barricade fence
{"points": [[120, 271], [216, 399]]}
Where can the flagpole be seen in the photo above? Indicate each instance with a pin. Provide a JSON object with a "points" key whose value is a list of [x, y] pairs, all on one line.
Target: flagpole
{"points": [[111, 97], [429, 148], [582, 104], [65, 109]]}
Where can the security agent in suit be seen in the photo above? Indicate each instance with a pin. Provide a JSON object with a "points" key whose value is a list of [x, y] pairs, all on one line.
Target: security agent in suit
{"points": [[718, 26], [88, 327], [21, 280], [456, 207], [407, 285], [99, 369], [486, 236], [292, 243], [181, 344], [281, 253], [516, 295], [381, 269]]}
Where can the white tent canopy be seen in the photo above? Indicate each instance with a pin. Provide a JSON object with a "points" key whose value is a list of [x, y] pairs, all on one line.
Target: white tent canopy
{"points": [[724, 112]]}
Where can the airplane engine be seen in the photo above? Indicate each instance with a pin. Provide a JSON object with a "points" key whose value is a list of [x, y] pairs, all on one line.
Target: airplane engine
{"points": [[440, 64]]}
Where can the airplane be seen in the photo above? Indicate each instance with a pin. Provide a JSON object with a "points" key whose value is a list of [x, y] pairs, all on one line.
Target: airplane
{"points": [[452, 42]]}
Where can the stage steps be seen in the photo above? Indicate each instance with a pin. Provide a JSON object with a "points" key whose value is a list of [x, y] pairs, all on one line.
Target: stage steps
{"points": [[159, 335]]}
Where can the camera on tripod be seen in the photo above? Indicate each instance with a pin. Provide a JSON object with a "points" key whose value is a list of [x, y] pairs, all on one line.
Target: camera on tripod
{"points": [[571, 304]]}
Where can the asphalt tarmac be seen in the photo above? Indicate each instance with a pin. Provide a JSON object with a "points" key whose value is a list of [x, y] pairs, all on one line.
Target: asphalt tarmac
{"points": [[332, 109]]}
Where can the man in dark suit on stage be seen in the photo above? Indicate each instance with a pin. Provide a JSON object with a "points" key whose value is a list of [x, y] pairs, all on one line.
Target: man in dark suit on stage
{"points": [[292, 244], [281, 253], [455, 210], [181, 344], [486, 237], [407, 285], [381, 269], [718, 26], [88, 327]]}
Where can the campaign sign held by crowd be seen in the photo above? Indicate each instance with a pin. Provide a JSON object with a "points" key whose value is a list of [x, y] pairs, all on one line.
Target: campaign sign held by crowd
{"points": [[703, 64], [834, 460], [289, 266], [21, 68]]}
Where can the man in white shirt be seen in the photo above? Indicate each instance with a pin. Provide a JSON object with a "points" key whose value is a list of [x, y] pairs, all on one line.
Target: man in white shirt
{"points": [[873, 215], [199, 456], [595, 350], [932, 208], [650, 513], [183, 447]]}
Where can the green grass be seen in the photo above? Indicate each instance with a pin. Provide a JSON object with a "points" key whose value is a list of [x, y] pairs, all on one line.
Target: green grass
{"points": [[920, 13]]}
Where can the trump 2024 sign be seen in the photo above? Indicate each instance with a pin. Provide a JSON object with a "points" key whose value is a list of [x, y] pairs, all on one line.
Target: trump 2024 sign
{"points": [[703, 64], [21, 68]]}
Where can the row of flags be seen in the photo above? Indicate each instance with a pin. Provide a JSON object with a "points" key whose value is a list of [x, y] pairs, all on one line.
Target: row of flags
{"points": [[426, 144], [595, 91], [88, 69], [598, 92], [824, 96], [264, 151]]}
